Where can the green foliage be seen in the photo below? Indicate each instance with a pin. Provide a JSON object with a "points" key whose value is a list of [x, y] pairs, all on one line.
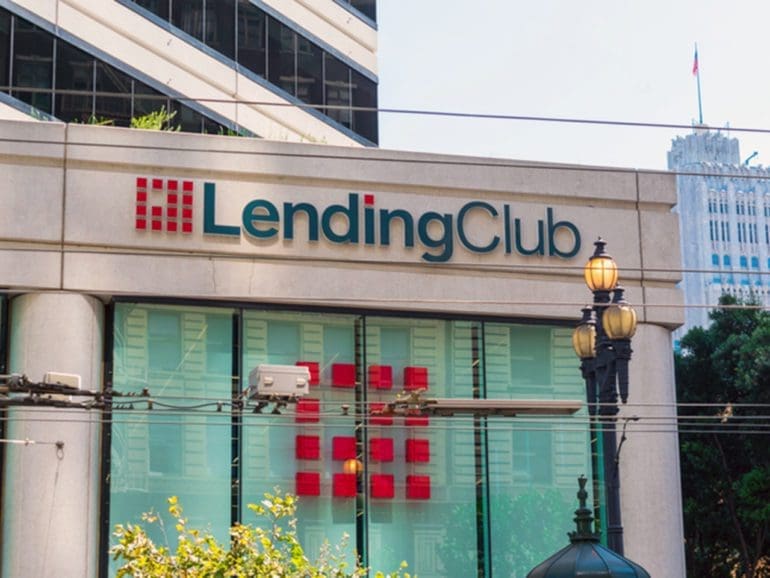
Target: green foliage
{"points": [[96, 121], [156, 120], [726, 477], [253, 552]]}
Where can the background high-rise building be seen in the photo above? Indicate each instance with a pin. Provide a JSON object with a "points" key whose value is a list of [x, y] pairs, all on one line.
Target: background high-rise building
{"points": [[294, 71], [724, 217]]}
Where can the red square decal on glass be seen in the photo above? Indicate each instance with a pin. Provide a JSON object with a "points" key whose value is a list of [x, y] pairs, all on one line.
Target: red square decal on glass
{"points": [[307, 410], [314, 371], [376, 416], [343, 375], [344, 485], [343, 448], [308, 447], [381, 486], [415, 378], [416, 420], [308, 483], [381, 376], [417, 450], [381, 449], [418, 487]]}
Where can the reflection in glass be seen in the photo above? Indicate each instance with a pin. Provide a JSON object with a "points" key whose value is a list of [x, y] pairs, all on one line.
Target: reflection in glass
{"points": [[5, 50], [220, 26], [164, 452], [281, 46], [187, 15], [364, 96], [309, 71], [252, 38], [33, 65], [337, 91], [74, 72]]}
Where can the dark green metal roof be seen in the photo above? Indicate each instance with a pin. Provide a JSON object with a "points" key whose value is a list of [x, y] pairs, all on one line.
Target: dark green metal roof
{"points": [[585, 557]]}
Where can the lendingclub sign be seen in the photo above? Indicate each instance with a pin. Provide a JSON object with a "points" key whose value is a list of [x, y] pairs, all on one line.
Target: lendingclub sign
{"points": [[477, 226]]}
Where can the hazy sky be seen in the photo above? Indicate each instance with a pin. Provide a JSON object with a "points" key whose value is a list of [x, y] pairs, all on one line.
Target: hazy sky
{"points": [[589, 59]]}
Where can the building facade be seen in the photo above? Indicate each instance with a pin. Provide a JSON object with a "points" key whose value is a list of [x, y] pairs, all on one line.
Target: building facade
{"points": [[178, 263], [294, 71], [724, 214]]}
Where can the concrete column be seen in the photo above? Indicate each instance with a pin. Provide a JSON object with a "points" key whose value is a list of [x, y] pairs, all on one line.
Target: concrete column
{"points": [[651, 496], [50, 497]]}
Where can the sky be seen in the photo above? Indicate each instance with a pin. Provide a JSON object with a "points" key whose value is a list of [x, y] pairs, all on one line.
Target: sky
{"points": [[621, 60]]}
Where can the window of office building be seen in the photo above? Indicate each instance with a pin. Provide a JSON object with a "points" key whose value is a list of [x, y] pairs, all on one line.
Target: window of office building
{"points": [[366, 7], [58, 78], [273, 50], [452, 495], [167, 451]]}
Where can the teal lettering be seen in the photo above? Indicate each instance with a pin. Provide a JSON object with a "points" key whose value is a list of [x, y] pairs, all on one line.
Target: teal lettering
{"points": [[209, 214], [291, 209], [407, 220], [461, 227], [444, 241], [251, 217], [350, 213], [539, 248], [552, 227]]}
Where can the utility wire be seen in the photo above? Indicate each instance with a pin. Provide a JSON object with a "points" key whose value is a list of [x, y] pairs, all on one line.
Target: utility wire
{"points": [[393, 110], [376, 155]]}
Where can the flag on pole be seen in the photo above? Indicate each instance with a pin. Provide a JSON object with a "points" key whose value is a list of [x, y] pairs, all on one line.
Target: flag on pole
{"points": [[695, 63]]}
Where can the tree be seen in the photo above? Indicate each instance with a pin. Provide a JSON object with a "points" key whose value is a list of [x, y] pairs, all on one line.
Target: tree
{"points": [[725, 459], [253, 552]]}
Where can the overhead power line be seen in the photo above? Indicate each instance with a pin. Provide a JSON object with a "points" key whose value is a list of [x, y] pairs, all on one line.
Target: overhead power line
{"points": [[374, 156], [401, 111]]}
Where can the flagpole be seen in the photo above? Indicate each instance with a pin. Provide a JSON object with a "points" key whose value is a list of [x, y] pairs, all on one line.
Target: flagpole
{"points": [[696, 66]]}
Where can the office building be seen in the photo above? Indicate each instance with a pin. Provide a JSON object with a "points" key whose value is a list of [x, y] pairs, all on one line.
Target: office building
{"points": [[724, 214], [180, 263], [294, 71]]}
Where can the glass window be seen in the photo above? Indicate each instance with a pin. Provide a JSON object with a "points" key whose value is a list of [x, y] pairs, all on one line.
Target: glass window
{"points": [[366, 7], [726, 260], [296, 449], [147, 100], [532, 460], [74, 74], [715, 259], [168, 451], [114, 100], [281, 47], [33, 65], [252, 38], [188, 16], [445, 358], [743, 261], [449, 494], [364, 96], [337, 91], [5, 49], [158, 7], [220, 26], [309, 72], [186, 118]]}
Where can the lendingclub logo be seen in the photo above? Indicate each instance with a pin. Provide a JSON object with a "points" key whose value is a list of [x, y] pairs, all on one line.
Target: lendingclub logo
{"points": [[478, 226], [163, 206]]}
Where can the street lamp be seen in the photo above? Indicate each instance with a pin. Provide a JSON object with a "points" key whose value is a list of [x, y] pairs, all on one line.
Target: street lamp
{"points": [[602, 341]]}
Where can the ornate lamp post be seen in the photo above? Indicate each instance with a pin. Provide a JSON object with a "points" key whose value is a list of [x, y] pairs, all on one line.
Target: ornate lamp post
{"points": [[602, 341]]}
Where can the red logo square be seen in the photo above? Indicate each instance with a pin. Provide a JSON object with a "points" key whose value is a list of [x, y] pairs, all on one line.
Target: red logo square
{"points": [[381, 486], [344, 485]]}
